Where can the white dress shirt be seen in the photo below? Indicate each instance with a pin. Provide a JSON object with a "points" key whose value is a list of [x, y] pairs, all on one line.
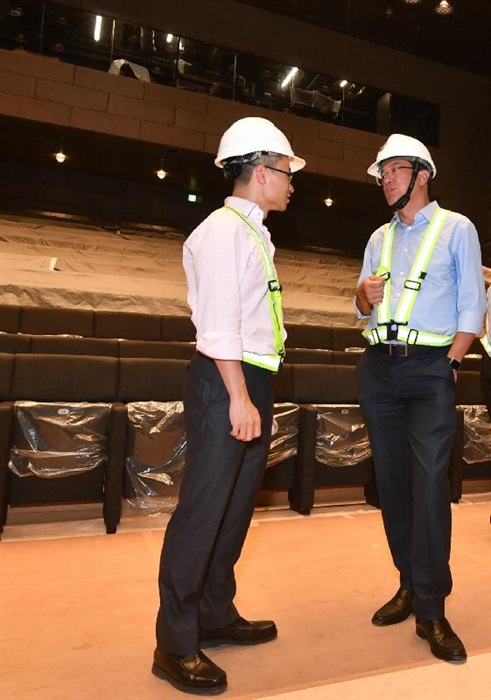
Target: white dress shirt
{"points": [[227, 284]]}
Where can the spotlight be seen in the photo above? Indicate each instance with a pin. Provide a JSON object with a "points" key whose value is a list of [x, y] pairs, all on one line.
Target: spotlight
{"points": [[60, 156], [444, 8], [329, 202], [161, 173]]}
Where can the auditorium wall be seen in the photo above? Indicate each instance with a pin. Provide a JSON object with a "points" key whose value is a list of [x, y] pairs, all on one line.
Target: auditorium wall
{"points": [[43, 89]]}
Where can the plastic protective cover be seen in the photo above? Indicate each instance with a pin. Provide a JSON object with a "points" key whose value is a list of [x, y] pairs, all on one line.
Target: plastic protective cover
{"points": [[477, 434], [285, 433], [156, 447], [52, 440], [342, 438]]}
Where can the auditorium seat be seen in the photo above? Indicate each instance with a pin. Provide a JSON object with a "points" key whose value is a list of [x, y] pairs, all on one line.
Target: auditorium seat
{"points": [[10, 318], [334, 385], [72, 345], [15, 342], [66, 379], [121, 324], [163, 349], [46, 320]]}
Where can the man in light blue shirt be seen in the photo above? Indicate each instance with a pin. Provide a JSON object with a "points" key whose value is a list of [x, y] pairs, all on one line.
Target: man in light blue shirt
{"points": [[422, 290]]}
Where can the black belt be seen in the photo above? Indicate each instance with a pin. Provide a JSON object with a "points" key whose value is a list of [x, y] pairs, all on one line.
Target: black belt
{"points": [[403, 350]]}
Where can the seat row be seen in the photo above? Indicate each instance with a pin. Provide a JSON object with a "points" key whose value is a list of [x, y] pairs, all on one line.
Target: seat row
{"points": [[96, 332], [61, 381]]}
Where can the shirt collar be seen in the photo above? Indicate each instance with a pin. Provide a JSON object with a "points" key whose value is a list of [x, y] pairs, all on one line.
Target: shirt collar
{"points": [[250, 209], [424, 215]]}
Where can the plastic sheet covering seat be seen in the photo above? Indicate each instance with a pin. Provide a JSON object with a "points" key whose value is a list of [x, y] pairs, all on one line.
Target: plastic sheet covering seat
{"points": [[156, 445], [477, 435], [66, 453], [52, 440], [285, 433], [336, 450], [44, 449], [342, 438]]}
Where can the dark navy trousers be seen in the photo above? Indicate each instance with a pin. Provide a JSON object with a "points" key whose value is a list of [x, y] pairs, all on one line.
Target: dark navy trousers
{"points": [[206, 532], [486, 379], [409, 408]]}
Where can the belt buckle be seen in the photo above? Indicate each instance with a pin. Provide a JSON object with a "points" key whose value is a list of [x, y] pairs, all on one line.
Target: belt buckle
{"points": [[399, 349]]}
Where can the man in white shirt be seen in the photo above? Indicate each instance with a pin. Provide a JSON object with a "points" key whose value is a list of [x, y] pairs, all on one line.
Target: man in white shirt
{"points": [[235, 299]]}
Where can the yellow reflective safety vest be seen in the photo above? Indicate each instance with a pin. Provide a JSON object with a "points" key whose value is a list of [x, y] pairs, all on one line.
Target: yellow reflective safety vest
{"points": [[273, 361], [397, 328], [486, 344]]}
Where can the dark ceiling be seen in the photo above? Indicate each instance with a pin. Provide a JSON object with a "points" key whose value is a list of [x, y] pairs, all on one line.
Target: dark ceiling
{"points": [[460, 39]]}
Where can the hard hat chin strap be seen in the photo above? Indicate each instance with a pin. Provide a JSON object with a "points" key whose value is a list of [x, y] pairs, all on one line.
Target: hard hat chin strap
{"points": [[402, 201]]}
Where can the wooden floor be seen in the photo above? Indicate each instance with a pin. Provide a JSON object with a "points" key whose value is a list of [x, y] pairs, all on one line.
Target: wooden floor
{"points": [[78, 609]]}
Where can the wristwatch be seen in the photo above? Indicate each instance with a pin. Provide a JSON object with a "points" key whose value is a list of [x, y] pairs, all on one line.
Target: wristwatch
{"points": [[454, 364]]}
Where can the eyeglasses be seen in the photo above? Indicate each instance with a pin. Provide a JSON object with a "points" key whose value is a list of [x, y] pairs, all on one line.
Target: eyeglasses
{"points": [[285, 172], [390, 172]]}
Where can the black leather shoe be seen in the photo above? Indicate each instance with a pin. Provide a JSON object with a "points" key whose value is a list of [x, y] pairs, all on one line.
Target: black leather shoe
{"points": [[191, 673], [443, 641], [239, 632], [396, 610]]}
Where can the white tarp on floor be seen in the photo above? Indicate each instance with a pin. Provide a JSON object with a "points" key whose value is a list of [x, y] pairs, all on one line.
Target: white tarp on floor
{"points": [[44, 262]]}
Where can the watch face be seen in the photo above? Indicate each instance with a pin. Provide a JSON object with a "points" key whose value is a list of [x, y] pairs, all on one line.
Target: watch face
{"points": [[455, 364]]}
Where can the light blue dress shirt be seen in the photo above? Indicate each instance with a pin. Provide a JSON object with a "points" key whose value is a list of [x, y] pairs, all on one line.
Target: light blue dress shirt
{"points": [[452, 297]]}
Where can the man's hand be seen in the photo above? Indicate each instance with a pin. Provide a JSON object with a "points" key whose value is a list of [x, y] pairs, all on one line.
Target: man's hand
{"points": [[245, 420], [244, 416], [369, 293]]}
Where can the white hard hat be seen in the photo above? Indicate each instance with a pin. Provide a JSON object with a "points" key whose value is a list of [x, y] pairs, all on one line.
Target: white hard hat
{"points": [[401, 146], [253, 134]]}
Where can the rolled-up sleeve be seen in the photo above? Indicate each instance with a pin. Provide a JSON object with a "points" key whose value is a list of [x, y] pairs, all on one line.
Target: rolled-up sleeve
{"points": [[471, 299]]}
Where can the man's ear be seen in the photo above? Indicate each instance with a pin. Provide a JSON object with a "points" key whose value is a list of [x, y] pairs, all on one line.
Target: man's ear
{"points": [[260, 174]]}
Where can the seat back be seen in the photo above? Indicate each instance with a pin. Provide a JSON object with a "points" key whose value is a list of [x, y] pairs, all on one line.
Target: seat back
{"points": [[53, 321], [10, 318], [46, 377], [120, 324]]}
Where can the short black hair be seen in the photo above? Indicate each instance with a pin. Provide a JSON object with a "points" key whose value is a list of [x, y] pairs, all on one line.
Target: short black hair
{"points": [[239, 169]]}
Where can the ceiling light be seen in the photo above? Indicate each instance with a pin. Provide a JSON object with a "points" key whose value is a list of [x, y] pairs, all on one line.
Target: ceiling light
{"points": [[161, 174], [97, 27], [444, 8], [343, 83], [329, 202], [60, 156], [169, 38], [289, 77]]}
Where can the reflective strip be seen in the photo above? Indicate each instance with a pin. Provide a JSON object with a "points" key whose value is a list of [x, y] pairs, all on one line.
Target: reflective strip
{"points": [[416, 276], [486, 343], [383, 315], [409, 336], [271, 362], [411, 288], [274, 290]]}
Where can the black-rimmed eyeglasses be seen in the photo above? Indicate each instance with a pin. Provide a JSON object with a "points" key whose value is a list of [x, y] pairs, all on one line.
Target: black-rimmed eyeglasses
{"points": [[391, 171], [278, 170]]}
